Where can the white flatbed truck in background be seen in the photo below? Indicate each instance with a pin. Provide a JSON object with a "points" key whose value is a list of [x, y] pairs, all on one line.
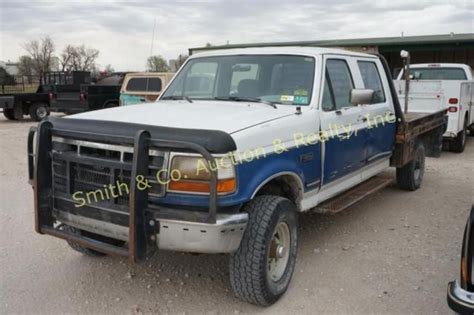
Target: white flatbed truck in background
{"points": [[438, 86]]}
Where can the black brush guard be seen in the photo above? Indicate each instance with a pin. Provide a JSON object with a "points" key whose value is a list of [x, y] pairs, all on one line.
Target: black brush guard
{"points": [[141, 234]]}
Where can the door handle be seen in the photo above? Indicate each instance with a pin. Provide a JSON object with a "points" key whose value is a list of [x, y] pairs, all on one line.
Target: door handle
{"points": [[362, 119]]}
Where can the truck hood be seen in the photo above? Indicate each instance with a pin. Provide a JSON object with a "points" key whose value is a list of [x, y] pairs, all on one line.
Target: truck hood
{"points": [[211, 115]]}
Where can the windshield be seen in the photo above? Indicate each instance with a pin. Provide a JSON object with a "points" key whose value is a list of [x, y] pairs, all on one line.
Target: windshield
{"points": [[281, 79], [437, 74]]}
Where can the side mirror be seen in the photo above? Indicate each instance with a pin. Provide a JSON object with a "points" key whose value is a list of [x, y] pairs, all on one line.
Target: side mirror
{"points": [[362, 96], [404, 54]]}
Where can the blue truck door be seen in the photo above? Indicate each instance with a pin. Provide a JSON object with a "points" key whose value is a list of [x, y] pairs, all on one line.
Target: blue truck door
{"points": [[379, 116], [342, 124]]}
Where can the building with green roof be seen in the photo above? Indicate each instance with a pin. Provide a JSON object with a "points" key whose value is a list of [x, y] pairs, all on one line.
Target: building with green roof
{"points": [[452, 48]]}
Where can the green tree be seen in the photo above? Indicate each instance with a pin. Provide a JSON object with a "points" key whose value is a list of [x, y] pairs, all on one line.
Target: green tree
{"points": [[157, 64]]}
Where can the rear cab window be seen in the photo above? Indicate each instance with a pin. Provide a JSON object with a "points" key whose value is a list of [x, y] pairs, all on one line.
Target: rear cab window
{"points": [[371, 78], [437, 73], [144, 84]]}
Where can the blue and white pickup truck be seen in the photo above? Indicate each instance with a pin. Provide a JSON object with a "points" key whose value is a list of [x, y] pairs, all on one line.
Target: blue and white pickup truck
{"points": [[238, 144]]}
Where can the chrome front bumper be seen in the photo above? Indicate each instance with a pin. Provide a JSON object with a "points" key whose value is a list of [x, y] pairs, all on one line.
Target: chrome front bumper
{"points": [[460, 300], [222, 237]]}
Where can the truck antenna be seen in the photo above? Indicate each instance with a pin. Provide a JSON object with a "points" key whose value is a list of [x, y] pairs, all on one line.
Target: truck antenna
{"points": [[153, 37]]}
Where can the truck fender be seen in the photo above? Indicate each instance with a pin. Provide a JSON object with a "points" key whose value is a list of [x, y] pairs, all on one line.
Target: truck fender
{"points": [[255, 175]]}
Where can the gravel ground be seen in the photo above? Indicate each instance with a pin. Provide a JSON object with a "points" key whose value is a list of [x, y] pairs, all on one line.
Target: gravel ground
{"points": [[393, 253]]}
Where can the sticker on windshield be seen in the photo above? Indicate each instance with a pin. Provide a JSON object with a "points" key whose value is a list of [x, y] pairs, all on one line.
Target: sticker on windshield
{"points": [[301, 100], [287, 98], [301, 92]]}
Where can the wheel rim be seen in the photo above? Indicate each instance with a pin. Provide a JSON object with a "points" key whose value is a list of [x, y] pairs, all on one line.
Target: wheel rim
{"points": [[279, 252], [41, 112]]}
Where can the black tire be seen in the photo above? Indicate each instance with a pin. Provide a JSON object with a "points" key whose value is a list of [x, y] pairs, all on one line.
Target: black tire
{"points": [[459, 143], [471, 130], [249, 265], [87, 251], [38, 111], [410, 176], [9, 113]]}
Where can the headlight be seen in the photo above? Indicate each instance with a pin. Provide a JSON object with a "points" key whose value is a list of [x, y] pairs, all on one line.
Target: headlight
{"points": [[193, 174]]}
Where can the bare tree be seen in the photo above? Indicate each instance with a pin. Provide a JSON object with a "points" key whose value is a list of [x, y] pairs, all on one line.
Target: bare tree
{"points": [[181, 60], [87, 56], [66, 56], [26, 66], [157, 64], [109, 69], [42, 53], [78, 58]]}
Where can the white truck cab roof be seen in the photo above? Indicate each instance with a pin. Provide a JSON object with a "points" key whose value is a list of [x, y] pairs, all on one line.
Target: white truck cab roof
{"points": [[277, 50]]}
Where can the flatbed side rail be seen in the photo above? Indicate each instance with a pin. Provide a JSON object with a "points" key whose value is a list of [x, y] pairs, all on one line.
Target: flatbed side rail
{"points": [[427, 128], [141, 241]]}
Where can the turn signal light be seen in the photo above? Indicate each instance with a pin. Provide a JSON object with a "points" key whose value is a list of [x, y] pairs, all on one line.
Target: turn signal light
{"points": [[452, 109], [453, 100], [223, 186]]}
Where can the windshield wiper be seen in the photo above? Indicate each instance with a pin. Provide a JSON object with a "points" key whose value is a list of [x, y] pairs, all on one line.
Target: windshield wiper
{"points": [[245, 99], [177, 97]]}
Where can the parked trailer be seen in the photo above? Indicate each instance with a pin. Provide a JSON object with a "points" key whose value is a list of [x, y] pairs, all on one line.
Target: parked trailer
{"points": [[433, 87], [38, 105]]}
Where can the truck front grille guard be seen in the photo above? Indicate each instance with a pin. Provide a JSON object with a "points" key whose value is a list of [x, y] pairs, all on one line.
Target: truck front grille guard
{"points": [[140, 243]]}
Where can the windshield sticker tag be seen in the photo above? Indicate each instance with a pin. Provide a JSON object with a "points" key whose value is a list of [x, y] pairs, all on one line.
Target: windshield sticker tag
{"points": [[301, 92], [287, 98], [300, 100]]}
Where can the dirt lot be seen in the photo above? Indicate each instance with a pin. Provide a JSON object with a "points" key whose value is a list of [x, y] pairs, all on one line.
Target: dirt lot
{"points": [[392, 253]]}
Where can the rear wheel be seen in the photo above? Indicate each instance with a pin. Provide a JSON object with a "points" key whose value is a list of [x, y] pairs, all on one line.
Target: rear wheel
{"points": [[39, 111], [262, 267], [87, 251], [459, 143], [471, 130], [410, 176], [9, 113]]}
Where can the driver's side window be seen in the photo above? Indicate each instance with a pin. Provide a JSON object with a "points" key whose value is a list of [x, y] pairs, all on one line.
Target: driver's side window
{"points": [[338, 84]]}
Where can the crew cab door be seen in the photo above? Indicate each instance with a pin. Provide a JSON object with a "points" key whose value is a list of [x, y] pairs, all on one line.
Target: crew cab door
{"points": [[342, 126], [379, 116]]}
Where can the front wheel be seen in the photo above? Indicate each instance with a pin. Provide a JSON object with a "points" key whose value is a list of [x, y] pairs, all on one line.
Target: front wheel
{"points": [[410, 176], [9, 113], [262, 267], [39, 111]]}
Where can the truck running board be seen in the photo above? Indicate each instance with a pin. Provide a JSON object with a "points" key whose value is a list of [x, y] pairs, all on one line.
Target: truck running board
{"points": [[353, 195]]}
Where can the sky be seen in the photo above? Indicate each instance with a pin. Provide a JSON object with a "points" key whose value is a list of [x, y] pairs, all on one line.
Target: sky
{"points": [[123, 30]]}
